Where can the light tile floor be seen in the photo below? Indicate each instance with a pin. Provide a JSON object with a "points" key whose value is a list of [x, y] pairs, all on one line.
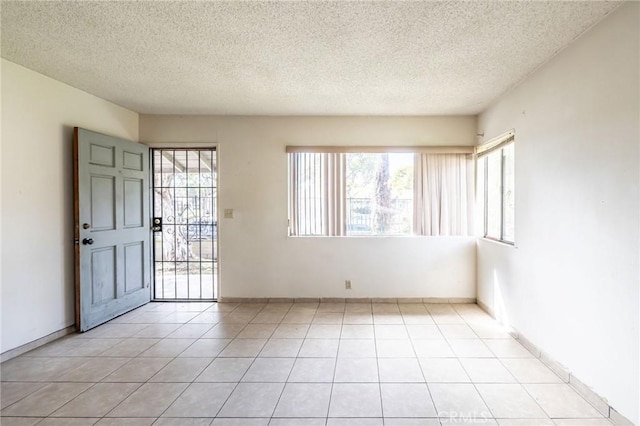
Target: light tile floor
{"points": [[282, 364]]}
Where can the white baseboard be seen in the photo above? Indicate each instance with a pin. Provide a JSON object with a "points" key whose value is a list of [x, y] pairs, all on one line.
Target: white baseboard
{"points": [[347, 300], [12, 353]]}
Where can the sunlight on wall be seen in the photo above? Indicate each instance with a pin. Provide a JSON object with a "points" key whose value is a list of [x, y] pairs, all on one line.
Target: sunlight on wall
{"points": [[499, 309]]}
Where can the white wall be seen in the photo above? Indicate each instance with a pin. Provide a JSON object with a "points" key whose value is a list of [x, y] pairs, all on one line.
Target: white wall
{"points": [[256, 256], [571, 285], [38, 116]]}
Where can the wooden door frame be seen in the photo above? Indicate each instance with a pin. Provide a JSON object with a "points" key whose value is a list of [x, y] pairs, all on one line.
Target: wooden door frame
{"points": [[76, 227]]}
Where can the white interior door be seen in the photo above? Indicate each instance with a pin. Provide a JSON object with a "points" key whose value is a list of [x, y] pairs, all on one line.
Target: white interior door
{"points": [[112, 234]]}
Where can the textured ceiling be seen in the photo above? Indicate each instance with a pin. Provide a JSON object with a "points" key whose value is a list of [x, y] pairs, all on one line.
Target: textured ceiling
{"points": [[293, 58]]}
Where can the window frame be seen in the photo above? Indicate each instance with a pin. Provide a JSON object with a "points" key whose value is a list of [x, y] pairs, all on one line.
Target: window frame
{"points": [[496, 146], [467, 187]]}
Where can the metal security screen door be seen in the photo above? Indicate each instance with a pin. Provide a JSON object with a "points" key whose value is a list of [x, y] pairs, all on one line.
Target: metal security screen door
{"points": [[185, 224]]}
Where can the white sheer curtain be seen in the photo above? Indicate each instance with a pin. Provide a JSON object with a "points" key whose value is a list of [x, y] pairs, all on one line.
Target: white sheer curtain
{"points": [[443, 194], [317, 194]]}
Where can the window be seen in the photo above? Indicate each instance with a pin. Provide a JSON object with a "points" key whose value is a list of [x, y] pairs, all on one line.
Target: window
{"points": [[345, 192], [379, 193], [496, 188]]}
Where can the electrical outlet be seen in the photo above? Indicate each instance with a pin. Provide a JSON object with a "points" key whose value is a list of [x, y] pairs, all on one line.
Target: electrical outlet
{"points": [[347, 284], [228, 213]]}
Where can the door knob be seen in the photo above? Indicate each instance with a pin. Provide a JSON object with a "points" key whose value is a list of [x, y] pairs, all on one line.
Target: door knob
{"points": [[87, 241]]}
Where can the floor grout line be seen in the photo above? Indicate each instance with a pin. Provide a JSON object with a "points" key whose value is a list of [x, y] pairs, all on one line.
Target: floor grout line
{"points": [[118, 334]]}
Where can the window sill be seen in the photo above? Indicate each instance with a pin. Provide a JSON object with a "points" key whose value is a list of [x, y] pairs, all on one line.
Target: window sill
{"points": [[395, 236], [500, 242]]}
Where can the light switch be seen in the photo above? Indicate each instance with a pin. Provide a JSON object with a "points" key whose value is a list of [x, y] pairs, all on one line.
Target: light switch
{"points": [[228, 213]]}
